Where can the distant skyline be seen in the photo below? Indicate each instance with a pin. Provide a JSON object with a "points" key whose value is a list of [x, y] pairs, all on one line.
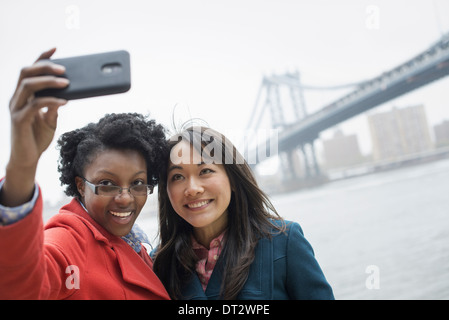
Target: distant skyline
{"points": [[341, 149], [209, 57]]}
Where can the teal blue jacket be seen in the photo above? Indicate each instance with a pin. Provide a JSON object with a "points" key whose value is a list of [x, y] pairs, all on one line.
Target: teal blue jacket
{"points": [[284, 268]]}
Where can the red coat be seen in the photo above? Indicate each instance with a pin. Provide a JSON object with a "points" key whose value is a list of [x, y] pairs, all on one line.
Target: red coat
{"points": [[74, 258]]}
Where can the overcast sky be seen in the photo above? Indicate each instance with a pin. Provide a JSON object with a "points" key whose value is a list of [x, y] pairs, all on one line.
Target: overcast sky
{"points": [[208, 57]]}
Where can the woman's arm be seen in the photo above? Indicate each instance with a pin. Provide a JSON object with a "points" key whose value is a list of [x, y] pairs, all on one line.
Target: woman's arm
{"points": [[32, 128], [305, 279], [12, 215], [23, 265]]}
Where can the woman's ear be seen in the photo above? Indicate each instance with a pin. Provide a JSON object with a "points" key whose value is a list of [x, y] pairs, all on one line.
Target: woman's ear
{"points": [[80, 185]]}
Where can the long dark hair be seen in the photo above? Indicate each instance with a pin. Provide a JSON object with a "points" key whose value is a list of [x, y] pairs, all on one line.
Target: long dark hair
{"points": [[250, 218]]}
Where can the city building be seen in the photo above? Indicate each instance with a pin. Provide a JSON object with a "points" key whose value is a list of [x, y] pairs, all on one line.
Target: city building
{"points": [[341, 151], [442, 134], [399, 132]]}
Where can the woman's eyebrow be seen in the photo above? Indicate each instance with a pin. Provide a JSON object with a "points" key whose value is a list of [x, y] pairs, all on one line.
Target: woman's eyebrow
{"points": [[106, 172], [174, 167], [140, 172]]}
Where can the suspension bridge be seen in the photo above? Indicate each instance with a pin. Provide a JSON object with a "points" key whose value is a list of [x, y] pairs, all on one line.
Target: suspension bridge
{"points": [[302, 129]]}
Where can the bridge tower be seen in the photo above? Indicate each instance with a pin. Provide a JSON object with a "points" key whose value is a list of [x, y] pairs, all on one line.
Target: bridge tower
{"points": [[299, 130], [283, 97]]}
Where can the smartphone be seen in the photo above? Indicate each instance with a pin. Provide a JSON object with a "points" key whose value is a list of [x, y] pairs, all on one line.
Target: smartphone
{"points": [[93, 75]]}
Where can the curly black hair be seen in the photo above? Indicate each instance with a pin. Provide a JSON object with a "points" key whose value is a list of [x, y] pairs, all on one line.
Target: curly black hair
{"points": [[123, 131]]}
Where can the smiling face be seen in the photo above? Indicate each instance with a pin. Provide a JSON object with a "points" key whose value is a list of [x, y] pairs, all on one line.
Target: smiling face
{"points": [[122, 168], [199, 192]]}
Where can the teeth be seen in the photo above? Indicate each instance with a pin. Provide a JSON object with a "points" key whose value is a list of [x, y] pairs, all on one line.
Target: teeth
{"points": [[198, 204], [121, 214]]}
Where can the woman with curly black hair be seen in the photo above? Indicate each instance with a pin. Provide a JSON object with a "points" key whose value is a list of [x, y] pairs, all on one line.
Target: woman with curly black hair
{"points": [[91, 249]]}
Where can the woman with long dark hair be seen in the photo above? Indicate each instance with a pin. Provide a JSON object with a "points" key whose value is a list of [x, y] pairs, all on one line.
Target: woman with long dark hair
{"points": [[220, 236]]}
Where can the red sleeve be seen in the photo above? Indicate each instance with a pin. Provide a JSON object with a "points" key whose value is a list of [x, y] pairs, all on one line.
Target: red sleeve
{"points": [[28, 269], [22, 264]]}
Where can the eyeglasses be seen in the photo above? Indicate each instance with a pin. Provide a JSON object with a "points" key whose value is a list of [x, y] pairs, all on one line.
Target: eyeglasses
{"points": [[113, 191]]}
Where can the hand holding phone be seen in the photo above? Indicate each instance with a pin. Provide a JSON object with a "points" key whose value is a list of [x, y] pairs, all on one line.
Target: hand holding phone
{"points": [[93, 75], [33, 125]]}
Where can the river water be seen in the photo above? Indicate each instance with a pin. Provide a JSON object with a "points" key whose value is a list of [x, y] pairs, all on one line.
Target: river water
{"points": [[380, 236]]}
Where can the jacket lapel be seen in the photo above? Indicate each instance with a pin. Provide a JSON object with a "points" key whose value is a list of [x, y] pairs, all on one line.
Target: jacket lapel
{"points": [[259, 284], [216, 278], [135, 270], [193, 289], [132, 266]]}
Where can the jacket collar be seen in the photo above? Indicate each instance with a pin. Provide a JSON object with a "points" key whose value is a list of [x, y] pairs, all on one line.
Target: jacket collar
{"points": [[74, 207], [259, 284], [134, 267]]}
